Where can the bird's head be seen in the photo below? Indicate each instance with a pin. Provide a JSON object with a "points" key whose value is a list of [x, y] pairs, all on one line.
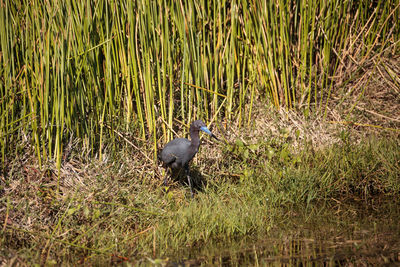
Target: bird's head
{"points": [[199, 125]]}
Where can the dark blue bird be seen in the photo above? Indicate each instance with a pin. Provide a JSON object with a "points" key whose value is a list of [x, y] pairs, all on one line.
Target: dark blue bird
{"points": [[179, 152]]}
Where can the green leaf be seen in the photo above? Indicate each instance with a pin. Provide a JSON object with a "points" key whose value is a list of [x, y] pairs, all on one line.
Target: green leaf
{"points": [[71, 211]]}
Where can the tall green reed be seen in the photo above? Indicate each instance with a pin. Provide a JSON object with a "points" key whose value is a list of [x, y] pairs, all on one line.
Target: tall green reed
{"points": [[91, 69]]}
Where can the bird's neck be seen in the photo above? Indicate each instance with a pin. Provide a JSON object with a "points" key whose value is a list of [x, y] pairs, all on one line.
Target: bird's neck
{"points": [[195, 139]]}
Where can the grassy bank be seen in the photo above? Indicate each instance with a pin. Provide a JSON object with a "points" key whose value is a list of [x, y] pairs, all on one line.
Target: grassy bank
{"points": [[117, 207]]}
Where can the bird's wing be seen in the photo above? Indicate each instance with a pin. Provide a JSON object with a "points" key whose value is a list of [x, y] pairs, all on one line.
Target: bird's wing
{"points": [[175, 150], [167, 157]]}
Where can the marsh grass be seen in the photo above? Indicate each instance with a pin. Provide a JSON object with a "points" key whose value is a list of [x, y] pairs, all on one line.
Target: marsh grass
{"points": [[115, 210], [83, 70]]}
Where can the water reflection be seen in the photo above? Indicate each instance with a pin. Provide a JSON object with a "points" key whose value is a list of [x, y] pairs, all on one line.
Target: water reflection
{"points": [[355, 233]]}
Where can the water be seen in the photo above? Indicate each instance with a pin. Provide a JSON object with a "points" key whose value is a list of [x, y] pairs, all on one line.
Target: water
{"points": [[355, 233]]}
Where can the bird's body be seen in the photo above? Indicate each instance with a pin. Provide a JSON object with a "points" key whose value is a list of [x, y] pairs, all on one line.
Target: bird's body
{"points": [[178, 153]]}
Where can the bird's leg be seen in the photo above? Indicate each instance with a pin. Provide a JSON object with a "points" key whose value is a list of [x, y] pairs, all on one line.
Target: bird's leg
{"points": [[166, 178], [190, 183]]}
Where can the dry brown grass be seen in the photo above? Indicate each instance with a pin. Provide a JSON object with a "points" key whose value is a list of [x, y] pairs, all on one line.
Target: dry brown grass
{"points": [[372, 97]]}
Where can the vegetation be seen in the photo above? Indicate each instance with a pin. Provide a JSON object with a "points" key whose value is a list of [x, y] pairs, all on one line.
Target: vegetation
{"points": [[304, 95], [86, 70], [112, 210]]}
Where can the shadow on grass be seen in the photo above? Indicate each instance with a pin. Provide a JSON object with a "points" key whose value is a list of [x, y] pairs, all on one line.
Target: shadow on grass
{"points": [[197, 179]]}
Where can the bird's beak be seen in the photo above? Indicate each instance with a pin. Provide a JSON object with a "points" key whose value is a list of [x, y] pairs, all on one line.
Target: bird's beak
{"points": [[212, 135], [205, 129]]}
